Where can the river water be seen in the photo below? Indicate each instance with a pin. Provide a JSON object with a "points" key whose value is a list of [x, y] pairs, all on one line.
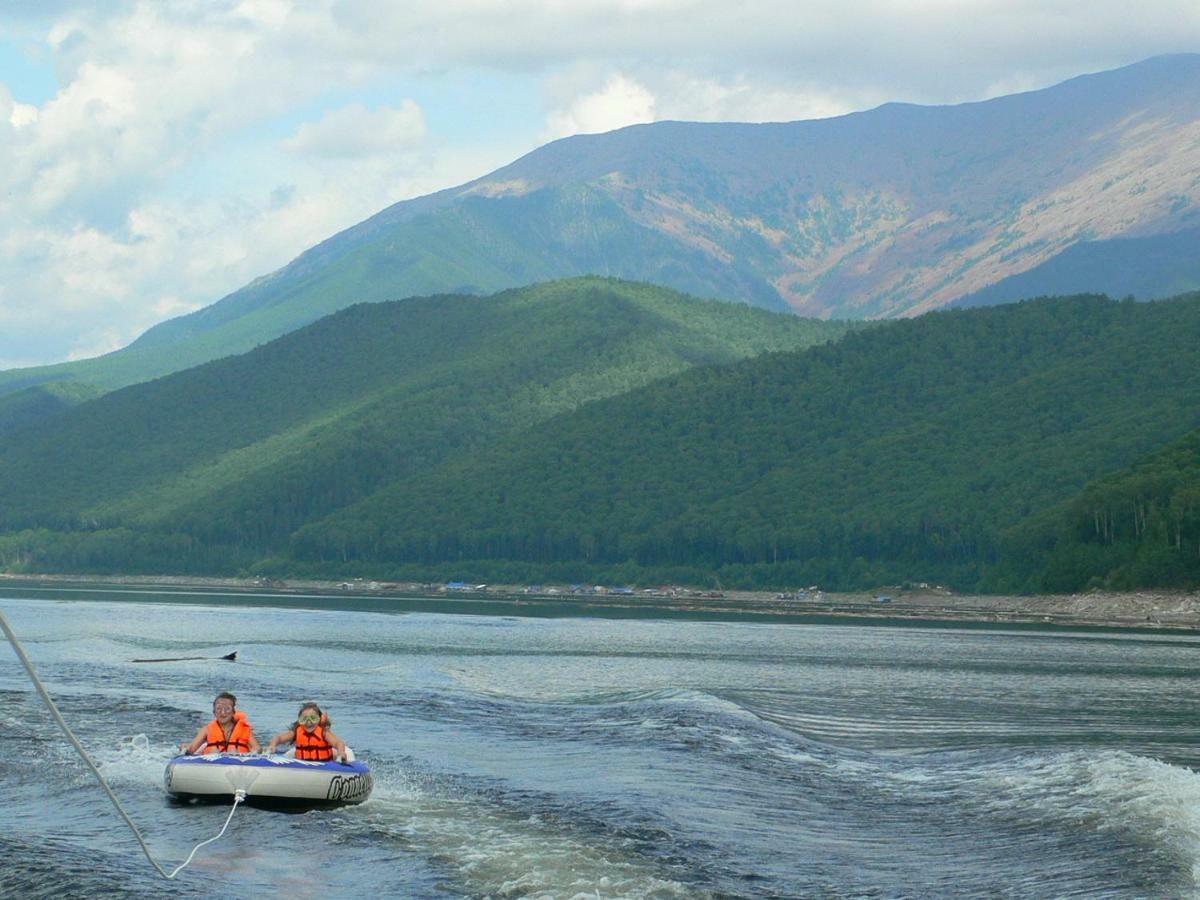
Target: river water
{"points": [[533, 756]]}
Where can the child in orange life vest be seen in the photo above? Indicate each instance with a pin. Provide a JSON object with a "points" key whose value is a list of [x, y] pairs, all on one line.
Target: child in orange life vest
{"points": [[312, 737], [229, 732]]}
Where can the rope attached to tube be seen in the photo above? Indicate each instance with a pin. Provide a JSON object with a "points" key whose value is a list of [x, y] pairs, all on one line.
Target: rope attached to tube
{"points": [[239, 796]]}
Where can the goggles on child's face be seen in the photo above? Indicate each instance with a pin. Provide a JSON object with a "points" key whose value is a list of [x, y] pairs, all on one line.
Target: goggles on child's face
{"points": [[310, 719]]}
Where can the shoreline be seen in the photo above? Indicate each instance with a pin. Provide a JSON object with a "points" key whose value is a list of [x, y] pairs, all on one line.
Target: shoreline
{"points": [[1136, 610]]}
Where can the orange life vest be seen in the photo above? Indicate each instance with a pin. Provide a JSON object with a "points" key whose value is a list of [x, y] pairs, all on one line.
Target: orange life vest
{"points": [[312, 746], [239, 737]]}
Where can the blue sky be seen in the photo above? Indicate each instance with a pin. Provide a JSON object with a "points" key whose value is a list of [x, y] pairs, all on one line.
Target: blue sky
{"points": [[155, 156]]}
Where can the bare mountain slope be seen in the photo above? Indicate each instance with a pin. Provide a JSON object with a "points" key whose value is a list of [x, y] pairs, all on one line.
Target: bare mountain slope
{"points": [[884, 213]]}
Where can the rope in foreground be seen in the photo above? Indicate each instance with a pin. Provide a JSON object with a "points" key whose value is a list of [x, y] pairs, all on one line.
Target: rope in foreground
{"points": [[239, 796]]}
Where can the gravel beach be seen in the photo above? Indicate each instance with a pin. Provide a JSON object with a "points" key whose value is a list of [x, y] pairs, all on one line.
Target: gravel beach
{"points": [[1140, 609]]}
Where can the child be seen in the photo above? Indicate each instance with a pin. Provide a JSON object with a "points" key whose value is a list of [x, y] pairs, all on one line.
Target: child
{"points": [[312, 737], [229, 732]]}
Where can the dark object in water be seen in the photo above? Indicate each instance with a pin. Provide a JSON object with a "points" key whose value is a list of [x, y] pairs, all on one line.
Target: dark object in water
{"points": [[229, 656]]}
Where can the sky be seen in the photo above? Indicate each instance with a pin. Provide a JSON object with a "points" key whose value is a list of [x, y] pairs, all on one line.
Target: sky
{"points": [[157, 155]]}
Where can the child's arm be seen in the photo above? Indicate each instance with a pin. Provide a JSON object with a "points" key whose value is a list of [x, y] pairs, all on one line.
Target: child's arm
{"points": [[284, 737], [336, 743], [197, 742]]}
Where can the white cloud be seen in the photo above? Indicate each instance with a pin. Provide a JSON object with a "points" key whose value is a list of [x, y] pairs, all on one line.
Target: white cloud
{"points": [[104, 229], [355, 131], [684, 95], [618, 102], [582, 100], [96, 342], [22, 114]]}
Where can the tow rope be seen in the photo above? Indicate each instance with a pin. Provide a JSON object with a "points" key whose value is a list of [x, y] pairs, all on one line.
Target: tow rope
{"points": [[238, 796]]}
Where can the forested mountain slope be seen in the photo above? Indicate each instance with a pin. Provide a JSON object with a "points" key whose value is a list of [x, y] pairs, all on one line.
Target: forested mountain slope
{"points": [[41, 401], [901, 452], [645, 436], [213, 467], [1149, 268], [1134, 528]]}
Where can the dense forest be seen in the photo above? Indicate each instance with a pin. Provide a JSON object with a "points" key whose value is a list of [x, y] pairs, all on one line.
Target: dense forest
{"points": [[1137, 527], [1161, 265], [42, 401], [598, 430], [210, 469], [899, 453]]}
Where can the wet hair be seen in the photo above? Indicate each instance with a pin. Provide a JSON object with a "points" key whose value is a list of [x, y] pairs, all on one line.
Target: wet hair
{"points": [[225, 695], [324, 722]]}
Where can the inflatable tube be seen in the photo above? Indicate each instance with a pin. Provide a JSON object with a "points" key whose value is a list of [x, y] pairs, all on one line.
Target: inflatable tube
{"points": [[274, 779]]}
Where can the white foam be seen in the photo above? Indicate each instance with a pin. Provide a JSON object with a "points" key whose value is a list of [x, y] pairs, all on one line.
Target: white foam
{"points": [[494, 851], [1107, 790], [133, 762]]}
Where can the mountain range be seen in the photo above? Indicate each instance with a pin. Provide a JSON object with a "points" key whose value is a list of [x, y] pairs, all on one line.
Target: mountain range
{"points": [[217, 465], [880, 214], [594, 428], [442, 390]]}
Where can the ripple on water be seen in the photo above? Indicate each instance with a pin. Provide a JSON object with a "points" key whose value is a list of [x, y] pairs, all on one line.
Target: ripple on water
{"points": [[575, 757]]}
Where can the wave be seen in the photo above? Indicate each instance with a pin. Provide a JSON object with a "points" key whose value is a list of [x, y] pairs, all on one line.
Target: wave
{"points": [[491, 842], [43, 866], [483, 839], [1147, 802]]}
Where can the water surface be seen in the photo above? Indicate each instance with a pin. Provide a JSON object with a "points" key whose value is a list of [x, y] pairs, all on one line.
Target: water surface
{"points": [[561, 757]]}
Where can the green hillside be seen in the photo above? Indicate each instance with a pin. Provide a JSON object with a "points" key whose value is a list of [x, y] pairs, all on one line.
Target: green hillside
{"points": [[1139, 527], [212, 468], [901, 452], [42, 401], [478, 246], [1148, 268], [596, 429]]}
